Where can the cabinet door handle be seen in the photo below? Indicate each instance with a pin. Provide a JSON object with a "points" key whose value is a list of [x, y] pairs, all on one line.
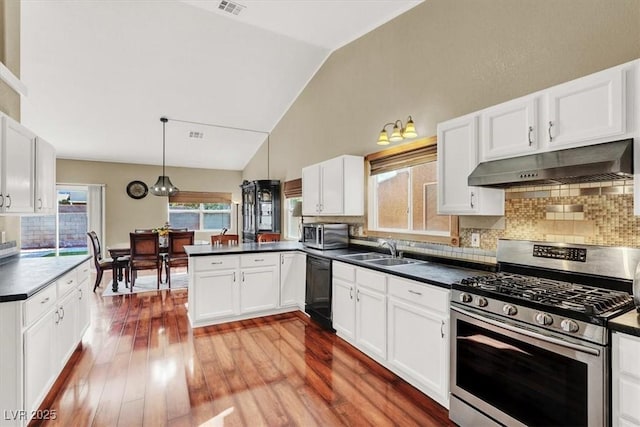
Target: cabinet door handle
{"points": [[550, 126], [471, 200], [62, 310], [57, 316], [243, 276], [9, 199], [44, 301], [442, 329], [282, 259], [234, 277], [259, 259], [216, 262], [414, 292], [358, 295], [69, 281], [1, 200], [350, 292], [529, 135], [80, 296], [40, 200]]}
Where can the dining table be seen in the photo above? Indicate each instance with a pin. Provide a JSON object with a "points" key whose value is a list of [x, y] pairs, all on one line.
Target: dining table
{"points": [[123, 249]]}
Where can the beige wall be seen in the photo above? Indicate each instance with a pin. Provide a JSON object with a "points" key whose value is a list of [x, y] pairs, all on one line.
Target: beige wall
{"points": [[124, 214], [10, 54], [441, 60]]}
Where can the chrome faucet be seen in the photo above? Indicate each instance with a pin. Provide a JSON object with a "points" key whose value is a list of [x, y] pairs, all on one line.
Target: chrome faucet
{"points": [[392, 246]]}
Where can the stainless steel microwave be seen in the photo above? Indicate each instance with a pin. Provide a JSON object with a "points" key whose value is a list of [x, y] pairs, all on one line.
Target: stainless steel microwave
{"points": [[325, 236]]}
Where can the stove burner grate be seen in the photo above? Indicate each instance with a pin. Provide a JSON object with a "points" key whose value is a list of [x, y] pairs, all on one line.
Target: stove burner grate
{"points": [[569, 296]]}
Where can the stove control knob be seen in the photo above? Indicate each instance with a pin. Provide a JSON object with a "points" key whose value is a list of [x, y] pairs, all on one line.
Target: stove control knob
{"points": [[509, 310], [544, 319], [464, 297], [481, 302], [568, 325]]}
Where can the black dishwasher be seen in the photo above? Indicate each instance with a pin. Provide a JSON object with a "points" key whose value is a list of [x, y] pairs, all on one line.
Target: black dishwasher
{"points": [[318, 290]]}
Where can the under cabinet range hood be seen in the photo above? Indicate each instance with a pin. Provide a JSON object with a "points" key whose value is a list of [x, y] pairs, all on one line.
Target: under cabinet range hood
{"points": [[599, 162]]}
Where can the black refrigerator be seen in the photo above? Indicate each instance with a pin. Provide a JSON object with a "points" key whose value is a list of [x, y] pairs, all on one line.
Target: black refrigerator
{"points": [[260, 208]]}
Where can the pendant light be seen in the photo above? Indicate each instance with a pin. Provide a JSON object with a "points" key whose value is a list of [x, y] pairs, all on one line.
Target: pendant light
{"points": [[163, 186]]}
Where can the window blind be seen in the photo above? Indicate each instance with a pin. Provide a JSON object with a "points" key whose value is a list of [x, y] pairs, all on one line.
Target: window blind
{"points": [[403, 156], [293, 188], [200, 197]]}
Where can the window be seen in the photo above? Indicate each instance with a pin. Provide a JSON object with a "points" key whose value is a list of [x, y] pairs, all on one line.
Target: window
{"points": [[293, 208], [403, 192], [201, 211]]}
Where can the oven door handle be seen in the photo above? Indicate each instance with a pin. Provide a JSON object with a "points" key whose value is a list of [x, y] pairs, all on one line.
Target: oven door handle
{"points": [[528, 333]]}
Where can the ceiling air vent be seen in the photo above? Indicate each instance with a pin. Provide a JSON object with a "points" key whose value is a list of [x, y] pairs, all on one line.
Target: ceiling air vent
{"points": [[231, 7]]}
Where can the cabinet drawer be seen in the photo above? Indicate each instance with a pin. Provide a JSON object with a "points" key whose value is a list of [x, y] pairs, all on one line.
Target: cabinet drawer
{"points": [[259, 259], [67, 282], [420, 294], [38, 304], [344, 271], [205, 263], [83, 271], [371, 279]]}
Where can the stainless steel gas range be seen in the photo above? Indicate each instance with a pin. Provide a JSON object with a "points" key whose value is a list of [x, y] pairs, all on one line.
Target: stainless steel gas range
{"points": [[529, 343]]}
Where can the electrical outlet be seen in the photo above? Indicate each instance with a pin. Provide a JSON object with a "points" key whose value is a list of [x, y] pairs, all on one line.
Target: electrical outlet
{"points": [[475, 240]]}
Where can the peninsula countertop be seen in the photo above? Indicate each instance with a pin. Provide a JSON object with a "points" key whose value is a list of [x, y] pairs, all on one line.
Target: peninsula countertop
{"points": [[628, 323], [434, 271], [20, 278]]}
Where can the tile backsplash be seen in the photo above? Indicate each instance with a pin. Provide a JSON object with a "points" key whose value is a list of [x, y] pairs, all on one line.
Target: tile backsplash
{"points": [[598, 213]]}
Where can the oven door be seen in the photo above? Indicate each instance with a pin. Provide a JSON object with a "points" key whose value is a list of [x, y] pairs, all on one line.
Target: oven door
{"points": [[519, 376]]}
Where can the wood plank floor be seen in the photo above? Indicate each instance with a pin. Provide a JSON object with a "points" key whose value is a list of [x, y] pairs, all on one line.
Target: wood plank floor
{"points": [[142, 365]]}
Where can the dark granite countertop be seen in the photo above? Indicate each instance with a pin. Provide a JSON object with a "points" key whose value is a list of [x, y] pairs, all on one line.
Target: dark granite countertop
{"points": [[433, 271], [629, 323], [20, 278]]}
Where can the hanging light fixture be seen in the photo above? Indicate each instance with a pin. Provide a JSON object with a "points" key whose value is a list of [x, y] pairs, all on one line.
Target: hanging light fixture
{"points": [[163, 186], [398, 133]]}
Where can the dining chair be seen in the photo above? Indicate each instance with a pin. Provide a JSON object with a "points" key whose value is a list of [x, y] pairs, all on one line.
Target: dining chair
{"points": [[145, 255], [225, 239], [176, 255], [268, 237], [101, 264]]}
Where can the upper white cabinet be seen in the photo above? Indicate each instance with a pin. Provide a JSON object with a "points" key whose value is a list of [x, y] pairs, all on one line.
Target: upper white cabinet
{"points": [[334, 187], [457, 157], [510, 129], [584, 110], [17, 168], [45, 197]]}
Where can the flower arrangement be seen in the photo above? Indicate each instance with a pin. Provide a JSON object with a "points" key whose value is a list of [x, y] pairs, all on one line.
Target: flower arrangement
{"points": [[162, 231]]}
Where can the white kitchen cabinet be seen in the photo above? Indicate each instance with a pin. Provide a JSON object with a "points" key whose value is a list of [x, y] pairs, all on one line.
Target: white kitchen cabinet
{"points": [[457, 157], [223, 288], [259, 288], [625, 383], [45, 193], [586, 109], [419, 336], [334, 187], [509, 129], [17, 168], [40, 365], [359, 312], [292, 279], [66, 327]]}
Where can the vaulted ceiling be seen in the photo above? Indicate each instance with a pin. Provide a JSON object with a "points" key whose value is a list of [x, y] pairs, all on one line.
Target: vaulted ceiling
{"points": [[100, 74]]}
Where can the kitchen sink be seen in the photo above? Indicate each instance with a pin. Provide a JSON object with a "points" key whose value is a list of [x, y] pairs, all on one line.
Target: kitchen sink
{"points": [[393, 261], [367, 256]]}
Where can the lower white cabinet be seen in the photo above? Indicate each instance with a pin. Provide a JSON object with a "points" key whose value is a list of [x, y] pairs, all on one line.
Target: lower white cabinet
{"points": [[403, 324], [419, 336], [292, 279], [359, 308], [39, 336], [224, 288], [625, 379]]}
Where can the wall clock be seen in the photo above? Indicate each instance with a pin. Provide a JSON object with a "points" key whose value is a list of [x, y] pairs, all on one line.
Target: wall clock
{"points": [[137, 189]]}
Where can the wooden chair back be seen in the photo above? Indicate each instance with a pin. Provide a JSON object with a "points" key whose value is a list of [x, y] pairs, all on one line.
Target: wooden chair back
{"points": [[144, 246], [143, 230], [268, 237], [97, 250], [225, 239], [177, 241]]}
